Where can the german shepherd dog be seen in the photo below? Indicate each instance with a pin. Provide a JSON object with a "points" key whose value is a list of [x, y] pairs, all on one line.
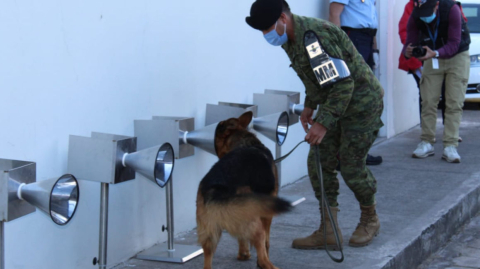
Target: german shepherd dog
{"points": [[238, 194]]}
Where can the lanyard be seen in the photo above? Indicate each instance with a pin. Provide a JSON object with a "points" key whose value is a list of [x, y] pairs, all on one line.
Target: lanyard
{"points": [[434, 38]]}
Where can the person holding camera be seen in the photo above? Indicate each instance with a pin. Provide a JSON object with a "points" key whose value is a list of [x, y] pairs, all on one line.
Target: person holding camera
{"points": [[438, 36]]}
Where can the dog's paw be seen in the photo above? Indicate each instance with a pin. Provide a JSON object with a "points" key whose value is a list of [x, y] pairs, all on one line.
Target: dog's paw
{"points": [[243, 256]]}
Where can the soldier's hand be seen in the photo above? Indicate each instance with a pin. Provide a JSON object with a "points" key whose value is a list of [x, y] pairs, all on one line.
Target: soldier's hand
{"points": [[306, 118], [408, 51], [315, 134]]}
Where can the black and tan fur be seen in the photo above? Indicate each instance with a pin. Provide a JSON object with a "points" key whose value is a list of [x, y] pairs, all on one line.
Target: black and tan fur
{"points": [[239, 193]]}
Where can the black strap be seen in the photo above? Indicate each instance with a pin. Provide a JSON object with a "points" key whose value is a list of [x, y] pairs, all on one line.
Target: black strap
{"points": [[324, 203], [368, 31], [286, 155], [327, 206], [328, 70]]}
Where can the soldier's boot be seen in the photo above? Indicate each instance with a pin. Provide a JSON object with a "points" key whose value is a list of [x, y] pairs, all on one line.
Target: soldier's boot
{"points": [[368, 227], [316, 239]]}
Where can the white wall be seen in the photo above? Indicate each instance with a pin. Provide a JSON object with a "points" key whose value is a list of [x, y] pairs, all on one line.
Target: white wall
{"points": [[401, 93], [76, 67]]}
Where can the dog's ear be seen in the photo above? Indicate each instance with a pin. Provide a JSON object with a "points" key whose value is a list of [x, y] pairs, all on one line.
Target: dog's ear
{"points": [[245, 119]]}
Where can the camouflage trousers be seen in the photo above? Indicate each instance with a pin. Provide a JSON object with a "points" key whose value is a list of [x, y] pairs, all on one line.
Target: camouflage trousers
{"points": [[353, 150]]}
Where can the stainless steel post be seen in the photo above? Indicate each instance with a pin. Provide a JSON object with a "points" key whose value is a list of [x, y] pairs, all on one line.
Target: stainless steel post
{"points": [[294, 200], [168, 252], [278, 154], [170, 228], [102, 251], [2, 246]]}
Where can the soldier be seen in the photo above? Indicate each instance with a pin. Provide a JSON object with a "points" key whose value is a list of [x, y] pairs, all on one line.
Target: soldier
{"points": [[347, 121]]}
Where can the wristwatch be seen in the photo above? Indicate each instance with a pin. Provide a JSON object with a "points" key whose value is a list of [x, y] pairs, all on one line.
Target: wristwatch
{"points": [[437, 54]]}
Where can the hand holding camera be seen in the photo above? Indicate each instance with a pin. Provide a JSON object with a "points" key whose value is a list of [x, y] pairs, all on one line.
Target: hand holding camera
{"points": [[418, 52], [422, 53]]}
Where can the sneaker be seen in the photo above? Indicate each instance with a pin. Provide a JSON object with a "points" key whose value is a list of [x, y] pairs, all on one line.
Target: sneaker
{"points": [[424, 149], [460, 139], [450, 154]]}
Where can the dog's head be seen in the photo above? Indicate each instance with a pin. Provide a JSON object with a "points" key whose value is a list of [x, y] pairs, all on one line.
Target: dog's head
{"points": [[227, 128]]}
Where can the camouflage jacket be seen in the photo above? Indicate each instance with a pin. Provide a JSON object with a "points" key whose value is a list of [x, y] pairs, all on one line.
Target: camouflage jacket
{"points": [[356, 102]]}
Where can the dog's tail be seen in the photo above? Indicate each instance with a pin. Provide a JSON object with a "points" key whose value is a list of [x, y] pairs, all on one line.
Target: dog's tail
{"points": [[247, 206]]}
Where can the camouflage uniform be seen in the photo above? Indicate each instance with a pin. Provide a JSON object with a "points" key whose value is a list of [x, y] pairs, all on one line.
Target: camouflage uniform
{"points": [[349, 109]]}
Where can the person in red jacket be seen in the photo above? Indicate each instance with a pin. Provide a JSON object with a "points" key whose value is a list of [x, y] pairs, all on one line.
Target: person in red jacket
{"points": [[412, 64]]}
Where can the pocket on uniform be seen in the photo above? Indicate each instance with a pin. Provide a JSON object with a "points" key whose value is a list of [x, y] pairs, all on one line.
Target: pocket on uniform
{"points": [[358, 144]]}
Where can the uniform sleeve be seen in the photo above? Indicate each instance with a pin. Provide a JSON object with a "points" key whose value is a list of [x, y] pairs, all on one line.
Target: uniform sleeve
{"points": [[336, 104], [308, 103], [309, 87], [339, 94]]}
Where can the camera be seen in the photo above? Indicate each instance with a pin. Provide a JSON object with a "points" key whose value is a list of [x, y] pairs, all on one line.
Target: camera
{"points": [[419, 51]]}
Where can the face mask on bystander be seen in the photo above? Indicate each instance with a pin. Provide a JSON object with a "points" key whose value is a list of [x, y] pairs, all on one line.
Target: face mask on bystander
{"points": [[429, 19]]}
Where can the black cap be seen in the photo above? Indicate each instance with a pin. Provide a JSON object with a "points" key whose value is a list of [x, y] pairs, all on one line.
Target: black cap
{"points": [[264, 14], [423, 8]]}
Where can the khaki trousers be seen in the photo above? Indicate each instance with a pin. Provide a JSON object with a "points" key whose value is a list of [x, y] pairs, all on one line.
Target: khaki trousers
{"points": [[456, 72]]}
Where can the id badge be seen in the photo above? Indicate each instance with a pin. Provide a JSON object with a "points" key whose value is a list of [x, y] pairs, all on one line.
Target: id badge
{"points": [[435, 63]]}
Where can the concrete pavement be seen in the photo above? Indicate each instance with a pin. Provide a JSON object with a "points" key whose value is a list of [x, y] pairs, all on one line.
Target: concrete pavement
{"points": [[421, 204], [461, 252]]}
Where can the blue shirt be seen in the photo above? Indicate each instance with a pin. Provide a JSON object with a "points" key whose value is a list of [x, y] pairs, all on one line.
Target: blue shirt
{"points": [[358, 14]]}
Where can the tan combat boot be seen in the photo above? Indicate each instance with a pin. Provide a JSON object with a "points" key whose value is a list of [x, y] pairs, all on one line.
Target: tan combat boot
{"points": [[368, 227], [316, 239]]}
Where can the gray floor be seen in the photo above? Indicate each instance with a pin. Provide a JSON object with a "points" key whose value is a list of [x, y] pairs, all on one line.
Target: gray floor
{"points": [[461, 252], [413, 197]]}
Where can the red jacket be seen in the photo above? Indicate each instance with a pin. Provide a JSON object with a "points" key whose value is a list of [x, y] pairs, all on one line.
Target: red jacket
{"points": [[411, 64]]}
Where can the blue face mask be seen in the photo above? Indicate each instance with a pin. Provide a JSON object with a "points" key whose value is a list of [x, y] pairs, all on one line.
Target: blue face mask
{"points": [[274, 38], [429, 19]]}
